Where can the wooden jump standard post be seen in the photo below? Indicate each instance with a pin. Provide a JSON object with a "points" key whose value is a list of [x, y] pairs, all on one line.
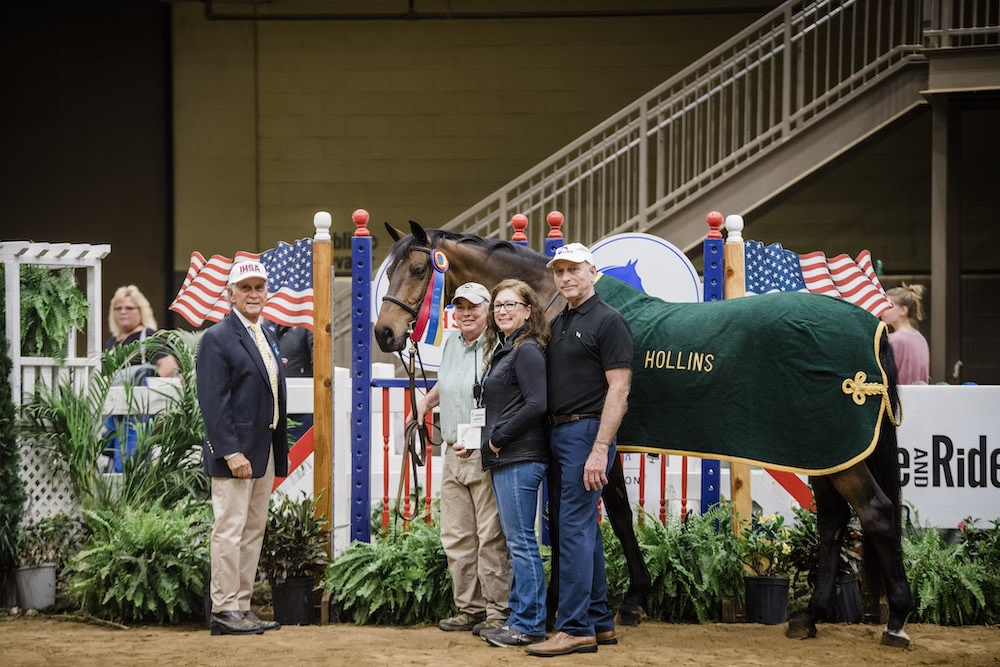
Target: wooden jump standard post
{"points": [[739, 473], [323, 371]]}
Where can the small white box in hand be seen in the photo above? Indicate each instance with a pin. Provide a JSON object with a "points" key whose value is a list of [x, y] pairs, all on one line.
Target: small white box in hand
{"points": [[470, 436]]}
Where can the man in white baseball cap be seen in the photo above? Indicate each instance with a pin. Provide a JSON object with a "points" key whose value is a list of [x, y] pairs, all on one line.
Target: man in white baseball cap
{"points": [[572, 252], [474, 293], [241, 391], [244, 270], [589, 373]]}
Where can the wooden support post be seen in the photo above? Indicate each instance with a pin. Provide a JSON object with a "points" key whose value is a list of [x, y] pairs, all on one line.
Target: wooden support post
{"points": [[739, 473], [323, 371], [946, 260]]}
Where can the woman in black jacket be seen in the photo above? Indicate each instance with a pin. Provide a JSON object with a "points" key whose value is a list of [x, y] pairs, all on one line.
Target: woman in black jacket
{"points": [[515, 448]]}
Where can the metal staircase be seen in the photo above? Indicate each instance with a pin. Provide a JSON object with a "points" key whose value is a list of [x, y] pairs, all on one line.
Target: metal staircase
{"points": [[779, 100]]}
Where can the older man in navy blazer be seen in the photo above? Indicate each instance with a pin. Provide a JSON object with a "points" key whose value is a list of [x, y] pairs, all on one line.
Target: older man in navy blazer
{"points": [[241, 390]]}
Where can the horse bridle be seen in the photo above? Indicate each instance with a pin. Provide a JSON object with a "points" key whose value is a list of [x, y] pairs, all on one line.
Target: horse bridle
{"points": [[415, 434], [402, 304]]}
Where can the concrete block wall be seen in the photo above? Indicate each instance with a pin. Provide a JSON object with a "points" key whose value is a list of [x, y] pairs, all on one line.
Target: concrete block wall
{"points": [[274, 120]]}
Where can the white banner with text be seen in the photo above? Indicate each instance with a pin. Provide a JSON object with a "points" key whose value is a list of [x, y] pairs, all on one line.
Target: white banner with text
{"points": [[949, 453]]}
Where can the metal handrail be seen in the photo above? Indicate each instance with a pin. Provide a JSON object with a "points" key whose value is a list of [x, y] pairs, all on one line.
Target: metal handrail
{"points": [[773, 80]]}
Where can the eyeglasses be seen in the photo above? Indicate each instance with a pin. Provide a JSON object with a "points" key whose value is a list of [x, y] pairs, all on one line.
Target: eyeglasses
{"points": [[124, 308], [508, 305]]}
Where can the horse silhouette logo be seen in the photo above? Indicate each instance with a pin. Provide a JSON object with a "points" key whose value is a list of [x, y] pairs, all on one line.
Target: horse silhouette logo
{"points": [[626, 274]]}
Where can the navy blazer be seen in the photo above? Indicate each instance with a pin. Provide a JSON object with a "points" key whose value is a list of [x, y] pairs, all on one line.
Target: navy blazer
{"points": [[234, 393]]}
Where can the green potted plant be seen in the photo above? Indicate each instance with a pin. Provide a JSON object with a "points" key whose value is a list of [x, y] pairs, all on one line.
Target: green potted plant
{"points": [[143, 562], [766, 551], [51, 307], [399, 579], [12, 493], [69, 426], [42, 548], [293, 554]]}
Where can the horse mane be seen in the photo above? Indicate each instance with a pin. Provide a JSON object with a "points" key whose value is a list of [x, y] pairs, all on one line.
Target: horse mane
{"points": [[403, 247]]}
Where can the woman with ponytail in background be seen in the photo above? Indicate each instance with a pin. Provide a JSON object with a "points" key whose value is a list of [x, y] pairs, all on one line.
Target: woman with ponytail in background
{"points": [[909, 346]]}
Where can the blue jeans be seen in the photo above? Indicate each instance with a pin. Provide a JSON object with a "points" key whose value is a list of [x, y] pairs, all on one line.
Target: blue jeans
{"points": [[516, 489], [122, 425], [583, 588]]}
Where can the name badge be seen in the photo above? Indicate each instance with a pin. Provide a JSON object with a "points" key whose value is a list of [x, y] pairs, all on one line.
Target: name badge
{"points": [[478, 417], [470, 436]]}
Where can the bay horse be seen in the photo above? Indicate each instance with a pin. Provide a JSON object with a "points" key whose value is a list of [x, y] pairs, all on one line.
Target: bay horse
{"points": [[871, 486]]}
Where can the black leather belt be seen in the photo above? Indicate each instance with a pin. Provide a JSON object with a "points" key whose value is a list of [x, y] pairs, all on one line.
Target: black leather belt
{"points": [[559, 420]]}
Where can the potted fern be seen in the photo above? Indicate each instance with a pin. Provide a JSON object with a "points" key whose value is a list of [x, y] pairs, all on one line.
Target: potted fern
{"points": [[400, 579], [143, 562], [767, 552], [293, 554], [51, 307]]}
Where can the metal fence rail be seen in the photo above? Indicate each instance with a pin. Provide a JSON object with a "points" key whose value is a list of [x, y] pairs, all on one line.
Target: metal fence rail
{"points": [[963, 24]]}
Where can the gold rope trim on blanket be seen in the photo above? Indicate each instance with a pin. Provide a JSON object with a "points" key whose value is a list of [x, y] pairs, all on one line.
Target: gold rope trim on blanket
{"points": [[859, 390]]}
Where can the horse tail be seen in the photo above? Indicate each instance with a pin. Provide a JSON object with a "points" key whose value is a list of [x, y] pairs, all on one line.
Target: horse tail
{"points": [[884, 467]]}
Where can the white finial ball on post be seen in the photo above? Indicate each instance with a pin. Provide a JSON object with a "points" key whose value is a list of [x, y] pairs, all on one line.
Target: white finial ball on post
{"points": [[734, 228], [322, 221]]}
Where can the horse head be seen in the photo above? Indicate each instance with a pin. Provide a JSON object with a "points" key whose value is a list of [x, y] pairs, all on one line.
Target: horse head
{"points": [[468, 257], [409, 272]]}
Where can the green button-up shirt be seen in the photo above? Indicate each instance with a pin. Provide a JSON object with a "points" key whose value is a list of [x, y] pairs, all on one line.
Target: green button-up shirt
{"points": [[461, 366]]}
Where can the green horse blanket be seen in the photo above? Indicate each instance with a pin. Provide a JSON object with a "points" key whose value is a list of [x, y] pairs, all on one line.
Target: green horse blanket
{"points": [[790, 381]]}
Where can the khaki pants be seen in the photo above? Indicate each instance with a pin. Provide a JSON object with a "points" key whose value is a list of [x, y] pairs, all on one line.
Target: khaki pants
{"points": [[240, 507], [472, 537]]}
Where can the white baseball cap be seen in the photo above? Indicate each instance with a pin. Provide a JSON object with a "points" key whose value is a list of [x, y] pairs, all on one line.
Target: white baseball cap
{"points": [[572, 252], [474, 293], [245, 270]]}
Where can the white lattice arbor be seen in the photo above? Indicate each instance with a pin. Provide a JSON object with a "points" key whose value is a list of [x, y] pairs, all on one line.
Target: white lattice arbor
{"points": [[48, 492]]}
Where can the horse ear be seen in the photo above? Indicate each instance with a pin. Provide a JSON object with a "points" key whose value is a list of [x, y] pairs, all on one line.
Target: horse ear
{"points": [[396, 234], [419, 234]]}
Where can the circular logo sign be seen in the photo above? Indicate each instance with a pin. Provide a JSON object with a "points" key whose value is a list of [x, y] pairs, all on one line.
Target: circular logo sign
{"points": [[650, 264]]}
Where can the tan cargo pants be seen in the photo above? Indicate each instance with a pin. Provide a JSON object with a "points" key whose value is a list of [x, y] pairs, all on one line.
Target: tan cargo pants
{"points": [[472, 537]]}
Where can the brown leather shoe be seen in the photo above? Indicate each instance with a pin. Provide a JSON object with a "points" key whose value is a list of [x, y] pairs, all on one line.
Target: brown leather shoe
{"points": [[607, 638], [562, 644]]}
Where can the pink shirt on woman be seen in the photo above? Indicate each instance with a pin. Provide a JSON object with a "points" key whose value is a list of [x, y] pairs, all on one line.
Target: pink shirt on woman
{"points": [[913, 357]]}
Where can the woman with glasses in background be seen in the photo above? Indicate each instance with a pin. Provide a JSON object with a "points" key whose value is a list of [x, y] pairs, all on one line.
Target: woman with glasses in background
{"points": [[130, 319], [515, 449]]}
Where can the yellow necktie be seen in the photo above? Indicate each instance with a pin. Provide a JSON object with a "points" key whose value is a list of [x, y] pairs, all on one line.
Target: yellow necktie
{"points": [[272, 370]]}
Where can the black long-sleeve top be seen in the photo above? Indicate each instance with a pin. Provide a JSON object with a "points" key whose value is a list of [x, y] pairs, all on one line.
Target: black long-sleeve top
{"points": [[516, 400]]}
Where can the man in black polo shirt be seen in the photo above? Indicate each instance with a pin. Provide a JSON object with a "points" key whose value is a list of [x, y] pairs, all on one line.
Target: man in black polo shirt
{"points": [[589, 373]]}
